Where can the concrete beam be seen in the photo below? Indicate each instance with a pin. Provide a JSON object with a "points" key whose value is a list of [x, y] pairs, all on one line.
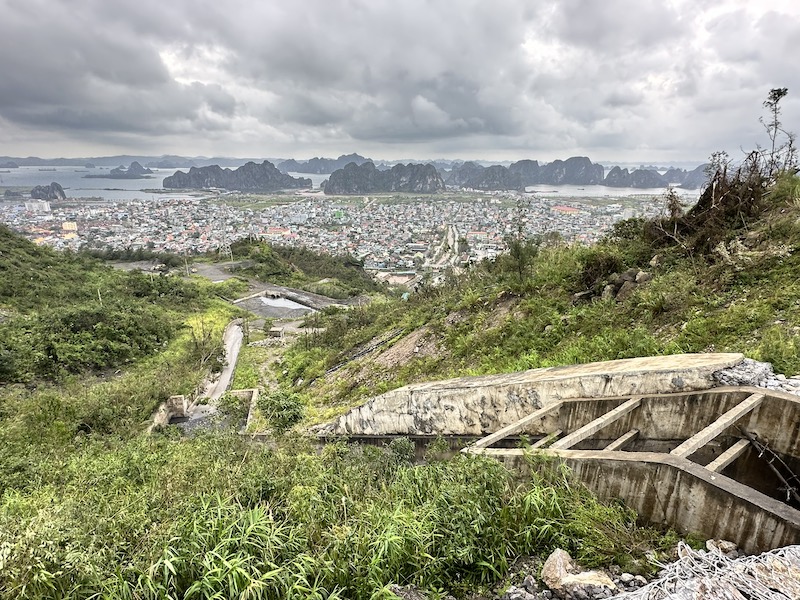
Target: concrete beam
{"points": [[727, 457], [546, 439], [596, 425], [515, 427], [621, 441], [708, 433]]}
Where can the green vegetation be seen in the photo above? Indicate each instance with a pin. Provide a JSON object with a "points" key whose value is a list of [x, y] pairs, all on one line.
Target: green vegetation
{"points": [[724, 279], [213, 516], [64, 314], [337, 277], [168, 259], [92, 508]]}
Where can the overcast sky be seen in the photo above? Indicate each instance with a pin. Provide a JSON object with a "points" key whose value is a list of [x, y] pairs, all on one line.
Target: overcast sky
{"points": [[626, 80]]}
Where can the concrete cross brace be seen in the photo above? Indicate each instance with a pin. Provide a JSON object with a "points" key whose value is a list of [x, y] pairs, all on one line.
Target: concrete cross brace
{"points": [[546, 439], [622, 440], [727, 457], [596, 425], [705, 435], [515, 427]]}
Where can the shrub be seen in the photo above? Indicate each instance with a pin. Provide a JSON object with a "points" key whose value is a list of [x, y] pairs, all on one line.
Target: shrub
{"points": [[282, 409]]}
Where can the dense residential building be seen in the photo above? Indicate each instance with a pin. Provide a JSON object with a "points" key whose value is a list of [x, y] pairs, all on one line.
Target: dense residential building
{"points": [[389, 233]]}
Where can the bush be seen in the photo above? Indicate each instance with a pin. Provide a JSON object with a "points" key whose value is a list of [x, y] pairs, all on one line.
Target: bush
{"points": [[282, 409]]}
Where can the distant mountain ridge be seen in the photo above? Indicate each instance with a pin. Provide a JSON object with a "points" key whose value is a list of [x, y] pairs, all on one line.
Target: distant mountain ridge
{"points": [[577, 170], [366, 178], [320, 166], [249, 177], [153, 162], [573, 171]]}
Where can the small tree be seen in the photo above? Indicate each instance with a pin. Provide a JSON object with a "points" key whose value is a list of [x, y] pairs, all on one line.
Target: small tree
{"points": [[781, 156], [521, 249]]}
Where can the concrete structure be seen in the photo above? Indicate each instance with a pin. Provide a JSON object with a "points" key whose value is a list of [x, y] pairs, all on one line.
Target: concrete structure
{"points": [[654, 432], [481, 405], [681, 460], [175, 407]]}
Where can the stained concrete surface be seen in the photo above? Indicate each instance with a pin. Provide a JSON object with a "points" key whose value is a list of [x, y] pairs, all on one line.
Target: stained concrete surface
{"points": [[481, 405]]}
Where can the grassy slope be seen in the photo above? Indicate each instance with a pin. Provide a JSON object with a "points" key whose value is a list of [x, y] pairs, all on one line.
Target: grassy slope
{"points": [[91, 508], [337, 277], [742, 295]]}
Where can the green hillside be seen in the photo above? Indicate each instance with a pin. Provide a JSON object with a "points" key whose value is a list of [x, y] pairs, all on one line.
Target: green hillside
{"points": [[722, 277], [338, 277], [91, 507]]}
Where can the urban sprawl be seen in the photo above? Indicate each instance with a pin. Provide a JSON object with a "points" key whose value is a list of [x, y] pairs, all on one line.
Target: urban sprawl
{"points": [[388, 233]]}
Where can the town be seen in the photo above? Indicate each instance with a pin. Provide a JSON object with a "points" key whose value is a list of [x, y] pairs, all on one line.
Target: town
{"points": [[389, 233]]}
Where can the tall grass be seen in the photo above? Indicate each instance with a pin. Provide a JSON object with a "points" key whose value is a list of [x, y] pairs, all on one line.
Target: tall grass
{"points": [[212, 517]]}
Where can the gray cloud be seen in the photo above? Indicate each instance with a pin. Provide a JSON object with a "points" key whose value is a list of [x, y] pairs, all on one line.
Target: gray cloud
{"points": [[649, 80]]}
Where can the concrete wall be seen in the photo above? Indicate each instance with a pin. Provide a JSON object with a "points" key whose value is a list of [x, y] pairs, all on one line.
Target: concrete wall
{"points": [[480, 405], [673, 491], [251, 397], [176, 406]]}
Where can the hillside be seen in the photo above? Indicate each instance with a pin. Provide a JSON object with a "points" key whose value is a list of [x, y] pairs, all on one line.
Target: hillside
{"points": [[92, 507], [338, 277], [720, 278]]}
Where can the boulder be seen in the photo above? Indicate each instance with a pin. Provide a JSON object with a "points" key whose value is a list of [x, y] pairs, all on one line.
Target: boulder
{"points": [[556, 568], [625, 291], [563, 577], [724, 547]]}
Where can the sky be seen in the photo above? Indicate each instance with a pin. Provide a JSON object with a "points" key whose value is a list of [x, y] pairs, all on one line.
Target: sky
{"points": [[624, 80]]}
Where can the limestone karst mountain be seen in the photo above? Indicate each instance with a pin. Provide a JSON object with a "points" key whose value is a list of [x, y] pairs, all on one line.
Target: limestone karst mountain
{"points": [[367, 179], [251, 176]]}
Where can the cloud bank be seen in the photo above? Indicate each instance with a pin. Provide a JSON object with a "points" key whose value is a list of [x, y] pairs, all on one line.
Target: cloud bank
{"points": [[622, 79]]}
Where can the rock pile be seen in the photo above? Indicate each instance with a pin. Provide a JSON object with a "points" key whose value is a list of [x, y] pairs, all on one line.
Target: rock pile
{"points": [[758, 374], [621, 285], [563, 579]]}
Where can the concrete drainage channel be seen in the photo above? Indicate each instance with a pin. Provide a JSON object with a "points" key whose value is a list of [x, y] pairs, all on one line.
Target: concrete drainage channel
{"points": [[659, 433]]}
